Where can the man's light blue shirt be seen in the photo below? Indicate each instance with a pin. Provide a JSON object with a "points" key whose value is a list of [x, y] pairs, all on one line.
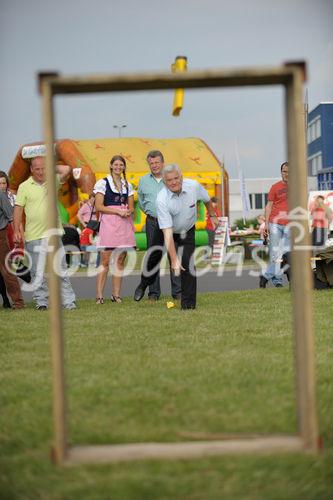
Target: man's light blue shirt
{"points": [[179, 211], [148, 189]]}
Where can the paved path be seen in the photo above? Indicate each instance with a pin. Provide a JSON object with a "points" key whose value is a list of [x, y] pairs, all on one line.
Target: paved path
{"points": [[214, 280], [209, 282]]}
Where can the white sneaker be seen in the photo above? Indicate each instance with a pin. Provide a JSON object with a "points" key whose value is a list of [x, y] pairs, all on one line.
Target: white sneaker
{"points": [[70, 306]]}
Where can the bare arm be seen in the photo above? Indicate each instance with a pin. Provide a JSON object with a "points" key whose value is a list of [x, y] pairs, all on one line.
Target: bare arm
{"points": [[131, 204], [63, 171], [17, 223], [268, 211], [81, 220], [328, 213], [212, 214], [79, 215], [170, 246]]}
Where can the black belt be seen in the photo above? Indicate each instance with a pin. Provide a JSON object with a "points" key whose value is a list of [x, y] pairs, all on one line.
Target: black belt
{"points": [[152, 218]]}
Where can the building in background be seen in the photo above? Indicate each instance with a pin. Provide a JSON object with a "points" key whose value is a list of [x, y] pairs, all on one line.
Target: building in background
{"points": [[257, 190], [320, 145]]}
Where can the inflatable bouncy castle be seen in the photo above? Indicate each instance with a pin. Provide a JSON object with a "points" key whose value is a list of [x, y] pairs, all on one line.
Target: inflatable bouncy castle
{"points": [[89, 160]]}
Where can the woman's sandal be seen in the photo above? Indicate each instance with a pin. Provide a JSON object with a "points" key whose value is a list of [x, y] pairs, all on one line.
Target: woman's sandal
{"points": [[99, 300], [115, 298]]}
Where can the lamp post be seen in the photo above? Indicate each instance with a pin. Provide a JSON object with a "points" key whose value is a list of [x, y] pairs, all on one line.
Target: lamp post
{"points": [[119, 127]]}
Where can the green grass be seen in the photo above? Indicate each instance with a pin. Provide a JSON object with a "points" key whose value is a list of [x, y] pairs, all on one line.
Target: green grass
{"points": [[140, 372]]}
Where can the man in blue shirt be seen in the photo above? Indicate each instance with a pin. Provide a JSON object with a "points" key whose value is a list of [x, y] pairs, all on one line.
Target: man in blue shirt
{"points": [[149, 187], [177, 212]]}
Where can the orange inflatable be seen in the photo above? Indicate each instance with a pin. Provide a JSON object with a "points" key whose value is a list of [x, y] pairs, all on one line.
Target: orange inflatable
{"points": [[89, 161]]}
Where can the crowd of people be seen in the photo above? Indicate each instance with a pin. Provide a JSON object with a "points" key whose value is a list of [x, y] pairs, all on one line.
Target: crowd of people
{"points": [[169, 202]]}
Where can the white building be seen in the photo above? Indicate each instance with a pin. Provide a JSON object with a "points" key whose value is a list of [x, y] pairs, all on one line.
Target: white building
{"points": [[257, 190]]}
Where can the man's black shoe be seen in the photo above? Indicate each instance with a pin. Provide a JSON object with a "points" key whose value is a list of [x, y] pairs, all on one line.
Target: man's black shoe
{"points": [[177, 297], [262, 282], [278, 285], [139, 292]]}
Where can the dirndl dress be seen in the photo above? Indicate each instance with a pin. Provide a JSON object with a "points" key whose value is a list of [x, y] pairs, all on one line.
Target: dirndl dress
{"points": [[115, 231]]}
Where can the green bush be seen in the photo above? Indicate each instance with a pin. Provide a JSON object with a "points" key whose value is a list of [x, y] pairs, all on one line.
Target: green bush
{"points": [[248, 223]]}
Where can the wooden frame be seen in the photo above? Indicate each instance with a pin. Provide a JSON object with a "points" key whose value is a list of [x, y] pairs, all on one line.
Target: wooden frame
{"points": [[291, 76]]}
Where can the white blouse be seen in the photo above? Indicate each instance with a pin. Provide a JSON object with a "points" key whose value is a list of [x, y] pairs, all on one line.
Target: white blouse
{"points": [[100, 186]]}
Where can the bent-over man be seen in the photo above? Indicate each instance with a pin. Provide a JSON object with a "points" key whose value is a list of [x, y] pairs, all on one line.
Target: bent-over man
{"points": [[177, 212]]}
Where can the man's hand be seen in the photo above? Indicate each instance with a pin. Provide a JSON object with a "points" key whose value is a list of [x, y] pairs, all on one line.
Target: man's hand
{"points": [[63, 171], [215, 220], [176, 266], [17, 238]]}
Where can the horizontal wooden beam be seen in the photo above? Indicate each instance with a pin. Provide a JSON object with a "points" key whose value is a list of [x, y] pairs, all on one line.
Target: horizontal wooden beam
{"points": [[148, 451], [164, 81]]}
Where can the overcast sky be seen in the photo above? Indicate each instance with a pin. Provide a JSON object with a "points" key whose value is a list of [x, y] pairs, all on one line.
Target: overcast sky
{"points": [[113, 36]]}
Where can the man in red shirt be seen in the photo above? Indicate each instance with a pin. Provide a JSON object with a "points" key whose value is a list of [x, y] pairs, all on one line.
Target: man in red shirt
{"points": [[276, 226]]}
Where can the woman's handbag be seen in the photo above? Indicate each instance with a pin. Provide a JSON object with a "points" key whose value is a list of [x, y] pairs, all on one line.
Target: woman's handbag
{"points": [[92, 223]]}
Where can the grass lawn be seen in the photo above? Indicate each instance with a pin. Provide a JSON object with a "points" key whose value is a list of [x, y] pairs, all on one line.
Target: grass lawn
{"points": [[138, 372]]}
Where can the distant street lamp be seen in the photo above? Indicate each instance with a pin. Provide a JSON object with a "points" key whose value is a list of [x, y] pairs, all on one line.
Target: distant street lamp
{"points": [[119, 127]]}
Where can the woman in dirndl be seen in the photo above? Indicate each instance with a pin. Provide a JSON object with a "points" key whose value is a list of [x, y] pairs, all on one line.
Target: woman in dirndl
{"points": [[115, 203]]}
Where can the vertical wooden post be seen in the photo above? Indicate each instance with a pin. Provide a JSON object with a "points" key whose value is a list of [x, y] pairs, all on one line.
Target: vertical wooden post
{"points": [[301, 281], [55, 311]]}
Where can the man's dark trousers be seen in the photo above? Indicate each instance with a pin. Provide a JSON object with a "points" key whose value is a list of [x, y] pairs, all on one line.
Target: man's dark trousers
{"points": [[155, 238], [185, 244]]}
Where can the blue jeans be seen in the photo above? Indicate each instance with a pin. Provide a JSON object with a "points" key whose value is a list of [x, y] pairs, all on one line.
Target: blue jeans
{"points": [[37, 250], [279, 244]]}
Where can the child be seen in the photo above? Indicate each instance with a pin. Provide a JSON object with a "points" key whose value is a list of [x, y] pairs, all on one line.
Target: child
{"points": [[86, 239], [261, 229], [209, 226]]}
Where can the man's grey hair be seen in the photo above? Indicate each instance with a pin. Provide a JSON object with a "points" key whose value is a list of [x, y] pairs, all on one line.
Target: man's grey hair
{"points": [[171, 168]]}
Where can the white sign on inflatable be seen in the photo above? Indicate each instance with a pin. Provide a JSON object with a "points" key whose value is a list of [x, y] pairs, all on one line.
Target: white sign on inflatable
{"points": [[77, 173], [34, 151]]}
